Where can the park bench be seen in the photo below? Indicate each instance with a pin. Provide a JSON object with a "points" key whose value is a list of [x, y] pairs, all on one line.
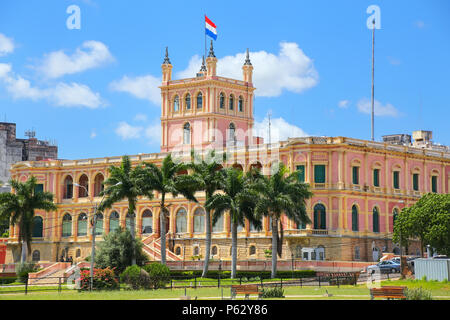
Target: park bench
{"points": [[335, 278], [246, 289], [388, 292]]}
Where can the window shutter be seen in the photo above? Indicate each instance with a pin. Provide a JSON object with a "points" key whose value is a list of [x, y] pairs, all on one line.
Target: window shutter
{"points": [[434, 184], [354, 218], [319, 174], [416, 182], [376, 177], [396, 184], [355, 175], [375, 220], [301, 173]]}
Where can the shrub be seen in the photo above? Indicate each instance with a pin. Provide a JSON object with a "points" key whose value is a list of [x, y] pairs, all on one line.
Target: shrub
{"points": [[418, 294], [7, 280], [104, 279], [276, 292], [135, 277], [24, 269], [159, 275]]}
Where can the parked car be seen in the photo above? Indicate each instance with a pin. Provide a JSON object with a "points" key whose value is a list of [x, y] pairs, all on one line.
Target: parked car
{"points": [[441, 256], [387, 266]]}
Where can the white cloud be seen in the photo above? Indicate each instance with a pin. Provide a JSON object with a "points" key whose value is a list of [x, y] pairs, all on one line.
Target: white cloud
{"points": [[142, 87], [151, 132], [62, 94], [140, 117], [126, 131], [280, 130], [289, 70], [365, 106], [92, 54], [6, 45], [343, 104]]}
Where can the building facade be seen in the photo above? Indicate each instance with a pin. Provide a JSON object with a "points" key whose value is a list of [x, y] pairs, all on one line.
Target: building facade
{"points": [[359, 186]]}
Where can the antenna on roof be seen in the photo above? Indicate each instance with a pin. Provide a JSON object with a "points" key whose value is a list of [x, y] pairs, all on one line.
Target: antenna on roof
{"points": [[30, 133], [373, 71]]}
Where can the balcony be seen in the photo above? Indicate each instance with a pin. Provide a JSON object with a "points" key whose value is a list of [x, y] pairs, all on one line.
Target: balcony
{"points": [[319, 232]]}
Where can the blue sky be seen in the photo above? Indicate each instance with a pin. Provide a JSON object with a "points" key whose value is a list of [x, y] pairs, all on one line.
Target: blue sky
{"points": [[93, 89]]}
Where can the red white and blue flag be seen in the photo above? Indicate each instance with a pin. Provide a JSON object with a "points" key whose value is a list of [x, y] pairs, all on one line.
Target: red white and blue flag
{"points": [[210, 28]]}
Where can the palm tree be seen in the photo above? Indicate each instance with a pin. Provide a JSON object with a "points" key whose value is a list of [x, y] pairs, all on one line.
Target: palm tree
{"points": [[123, 183], [240, 200], [20, 207], [167, 180], [281, 193], [207, 173]]}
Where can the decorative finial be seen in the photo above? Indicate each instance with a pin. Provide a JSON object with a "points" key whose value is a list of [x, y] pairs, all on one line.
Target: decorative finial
{"points": [[211, 51], [203, 67], [166, 58], [247, 59]]}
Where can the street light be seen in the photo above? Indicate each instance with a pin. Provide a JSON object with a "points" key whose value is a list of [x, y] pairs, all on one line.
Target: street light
{"points": [[401, 247], [94, 220]]}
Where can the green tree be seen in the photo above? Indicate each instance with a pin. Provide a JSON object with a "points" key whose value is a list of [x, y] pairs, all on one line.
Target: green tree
{"points": [[240, 201], [167, 179], [120, 250], [207, 172], [281, 193], [19, 208], [427, 220], [123, 184]]}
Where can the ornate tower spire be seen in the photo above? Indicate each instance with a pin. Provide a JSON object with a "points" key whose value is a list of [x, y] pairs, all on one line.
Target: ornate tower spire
{"points": [[211, 51], [203, 67], [247, 59], [211, 62], [247, 69], [166, 68], [166, 58]]}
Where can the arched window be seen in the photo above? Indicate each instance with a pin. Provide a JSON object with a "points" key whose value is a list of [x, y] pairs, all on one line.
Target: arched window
{"points": [[68, 188], [232, 132], [241, 104], [319, 216], [176, 104], [36, 256], [196, 251], [252, 250], [147, 222], [187, 133], [78, 253], [99, 224], [129, 221], [98, 184], [38, 227], [199, 220], [67, 225], [354, 218], [82, 225], [298, 251], [178, 250], [231, 106], [181, 221], [252, 227], [218, 226], [84, 183], [375, 220], [199, 100], [357, 253], [187, 101], [222, 101], [214, 250], [114, 222]]}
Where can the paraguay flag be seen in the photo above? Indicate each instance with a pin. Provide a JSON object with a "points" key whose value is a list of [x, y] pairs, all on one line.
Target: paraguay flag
{"points": [[210, 28]]}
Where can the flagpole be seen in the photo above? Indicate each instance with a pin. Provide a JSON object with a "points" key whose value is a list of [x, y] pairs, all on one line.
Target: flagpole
{"points": [[205, 37]]}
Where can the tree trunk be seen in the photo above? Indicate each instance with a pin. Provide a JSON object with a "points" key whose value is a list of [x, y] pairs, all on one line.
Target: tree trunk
{"points": [[233, 249], [162, 232], [23, 256], [133, 236], [208, 243], [274, 247]]}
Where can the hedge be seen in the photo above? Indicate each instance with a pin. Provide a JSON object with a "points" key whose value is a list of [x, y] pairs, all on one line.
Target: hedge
{"points": [[214, 274]]}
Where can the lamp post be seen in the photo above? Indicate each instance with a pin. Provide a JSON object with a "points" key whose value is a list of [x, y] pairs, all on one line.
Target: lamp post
{"points": [[401, 248], [94, 220]]}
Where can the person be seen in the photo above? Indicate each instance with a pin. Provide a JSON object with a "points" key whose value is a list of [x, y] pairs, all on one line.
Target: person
{"points": [[62, 258]]}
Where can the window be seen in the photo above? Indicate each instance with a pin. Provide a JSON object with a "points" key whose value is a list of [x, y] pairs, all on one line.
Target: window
{"points": [[394, 216], [181, 221], [434, 184], [241, 104], [78, 253], [376, 177], [298, 251], [218, 226], [252, 250], [199, 100], [99, 224], [84, 183], [98, 184], [187, 134], [354, 218], [319, 216], [187, 101], [199, 220], [68, 188], [231, 102], [176, 104], [415, 182], [232, 132], [252, 227], [319, 173], [301, 172], [214, 250], [36, 256], [301, 226], [82, 225], [178, 251], [67, 225], [396, 179], [129, 222], [147, 222], [375, 220], [196, 251], [357, 253], [355, 171], [221, 101], [38, 227], [39, 188], [114, 222]]}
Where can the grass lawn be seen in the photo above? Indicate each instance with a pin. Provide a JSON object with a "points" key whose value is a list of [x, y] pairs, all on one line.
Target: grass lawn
{"points": [[346, 292]]}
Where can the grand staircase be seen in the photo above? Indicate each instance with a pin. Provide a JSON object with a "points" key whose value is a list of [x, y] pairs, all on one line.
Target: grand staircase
{"points": [[152, 247]]}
